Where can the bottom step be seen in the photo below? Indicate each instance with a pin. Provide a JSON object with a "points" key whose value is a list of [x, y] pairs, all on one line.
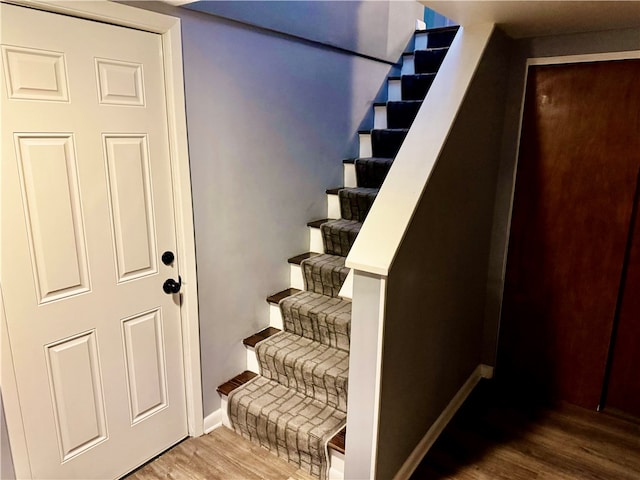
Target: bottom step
{"points": [[335, 446]]}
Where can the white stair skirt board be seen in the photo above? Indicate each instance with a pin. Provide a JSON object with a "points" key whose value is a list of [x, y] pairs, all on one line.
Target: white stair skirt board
{"points": [[346, 291], [333, 206], [217, 418], [421, 41], [295, 276], [408, 67], [441, 422], [394, 90], [420, 24], [252, 359], [380, 116], [365, 145], [349, 176], [315, 240], [275, 317], [336, 465]]}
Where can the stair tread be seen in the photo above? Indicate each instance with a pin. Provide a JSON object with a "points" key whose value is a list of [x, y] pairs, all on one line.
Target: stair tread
{"points": [[227, 387], [312, 368], [391, 130], [324, 274], [276, 297], [303, 256], [439, 29], [319, 317], [333, 191], [293, 422], [349, 160], [317, 223], [261, 335], [338, 440]]}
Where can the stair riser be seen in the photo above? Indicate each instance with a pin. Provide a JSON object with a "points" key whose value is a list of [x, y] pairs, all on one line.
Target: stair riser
{"points": [[394, 90], [428, 61], [295, 277], [275, 317], [349, 174], [379, 116], [401, 115], [333, 207], [408, 65], [365, 146], [415, 88], [421, 41], [315, 240]]}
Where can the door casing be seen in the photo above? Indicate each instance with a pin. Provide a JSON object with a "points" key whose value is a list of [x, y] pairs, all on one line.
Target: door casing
{"points": [[169, 29]]}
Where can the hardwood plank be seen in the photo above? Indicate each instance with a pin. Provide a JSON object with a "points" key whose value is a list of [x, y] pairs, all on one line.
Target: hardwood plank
{"points": [[261, 335], [317, 223], [494, 437], [229, 386], [276, 297], [220, 455], [337, 441]]}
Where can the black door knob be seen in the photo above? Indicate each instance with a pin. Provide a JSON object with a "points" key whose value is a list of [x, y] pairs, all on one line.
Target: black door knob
{"points": [[168, 257], [171, 286]]}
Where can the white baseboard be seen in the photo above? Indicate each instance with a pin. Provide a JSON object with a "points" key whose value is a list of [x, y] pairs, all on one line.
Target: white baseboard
{"points": [[213, 420], [439, 425]]}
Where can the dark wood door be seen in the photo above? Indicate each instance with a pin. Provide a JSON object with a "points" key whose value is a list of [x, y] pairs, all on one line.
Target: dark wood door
{"points": [[623, 389], [579, 154]]}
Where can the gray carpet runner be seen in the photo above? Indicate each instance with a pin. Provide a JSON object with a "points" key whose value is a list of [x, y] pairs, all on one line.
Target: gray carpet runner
{"points": [[289, 423], [324, 274], [338, 235], [355, 203], [299, 400]]}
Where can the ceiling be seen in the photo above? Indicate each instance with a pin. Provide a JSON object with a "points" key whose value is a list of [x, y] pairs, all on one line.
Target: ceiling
{"points": [[523, 18]]}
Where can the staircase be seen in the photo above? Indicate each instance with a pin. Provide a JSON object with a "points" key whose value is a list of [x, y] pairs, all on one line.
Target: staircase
{"points": [[296, 407]]}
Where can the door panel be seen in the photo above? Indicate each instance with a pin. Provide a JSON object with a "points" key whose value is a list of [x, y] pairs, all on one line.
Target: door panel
{"points": [[623, 391], [578, 159], [86, 207]]}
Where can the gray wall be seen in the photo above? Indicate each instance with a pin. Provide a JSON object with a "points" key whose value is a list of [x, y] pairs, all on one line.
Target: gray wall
{"points": [[6, 462], [378, 29], [575, 44], [270, 119], [437, 283]]}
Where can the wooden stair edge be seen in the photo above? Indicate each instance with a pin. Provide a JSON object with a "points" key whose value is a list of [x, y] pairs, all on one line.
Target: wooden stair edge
{"points": [[276, 297], [337, 442], [334, 191], [230, 385], [297, 260], [261, 335], [317, 223], [439, 29]]}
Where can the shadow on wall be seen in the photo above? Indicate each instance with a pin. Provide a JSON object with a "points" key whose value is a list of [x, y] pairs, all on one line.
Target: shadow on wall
{"points": [[6, 462]]}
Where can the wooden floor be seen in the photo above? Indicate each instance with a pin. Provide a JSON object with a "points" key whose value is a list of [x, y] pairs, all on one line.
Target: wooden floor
{"points": [[491, 439], [220, 455]]}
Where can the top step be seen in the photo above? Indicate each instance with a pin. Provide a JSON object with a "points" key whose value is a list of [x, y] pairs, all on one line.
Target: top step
{"points": [[434, 38]]}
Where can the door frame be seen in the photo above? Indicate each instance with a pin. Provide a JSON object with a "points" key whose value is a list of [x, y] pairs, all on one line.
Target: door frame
{"points": [[536, 61], [169, 30]]}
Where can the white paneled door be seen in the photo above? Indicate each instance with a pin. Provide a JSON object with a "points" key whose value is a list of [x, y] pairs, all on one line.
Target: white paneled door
{"points": [[87, 213]]}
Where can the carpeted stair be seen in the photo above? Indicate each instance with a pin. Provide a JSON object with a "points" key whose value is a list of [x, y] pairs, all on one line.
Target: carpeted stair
{"points": [[299, 400]]}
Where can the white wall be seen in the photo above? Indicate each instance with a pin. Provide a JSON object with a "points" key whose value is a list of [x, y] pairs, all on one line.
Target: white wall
{"points": [[270, 119], [558, 45], [374, 28]]}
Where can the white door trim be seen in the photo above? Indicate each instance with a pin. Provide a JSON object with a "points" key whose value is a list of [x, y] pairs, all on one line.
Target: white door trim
{"points": [[169, 29]]}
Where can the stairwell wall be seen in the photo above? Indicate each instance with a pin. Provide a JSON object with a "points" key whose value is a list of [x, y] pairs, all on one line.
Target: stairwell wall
{"points": [[270, 118], [436, 287]]}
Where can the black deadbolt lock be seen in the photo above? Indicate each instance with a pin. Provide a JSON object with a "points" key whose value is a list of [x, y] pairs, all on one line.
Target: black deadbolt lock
{"points": [[168, 258]]}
